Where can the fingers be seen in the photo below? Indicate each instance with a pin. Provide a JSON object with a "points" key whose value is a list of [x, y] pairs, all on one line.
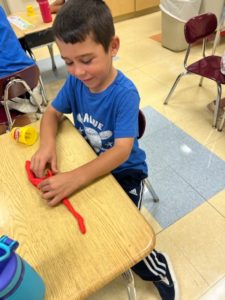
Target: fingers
{"points": [[38, 167], [51, 198], [54, 166], [39, 163], [53, 202], [50, 194]]}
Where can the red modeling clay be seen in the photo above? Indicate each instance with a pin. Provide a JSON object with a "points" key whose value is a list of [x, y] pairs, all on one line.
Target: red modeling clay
{"points": [[35, 181]]}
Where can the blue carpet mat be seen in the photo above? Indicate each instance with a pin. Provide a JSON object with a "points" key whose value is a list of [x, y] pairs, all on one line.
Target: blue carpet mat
{"points": [[183, 173]]}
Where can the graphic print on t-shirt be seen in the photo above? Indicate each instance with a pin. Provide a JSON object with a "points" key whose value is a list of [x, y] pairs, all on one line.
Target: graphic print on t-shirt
{"points": [[95, 135]]}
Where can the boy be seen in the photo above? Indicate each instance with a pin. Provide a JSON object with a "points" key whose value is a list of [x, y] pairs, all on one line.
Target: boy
{"points": [[105, 106]]}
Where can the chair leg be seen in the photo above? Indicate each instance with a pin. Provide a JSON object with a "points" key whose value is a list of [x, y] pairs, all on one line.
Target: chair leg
{"points": [[50, 49], [174, 86], [151, 190], [216, 112], [43, 92], [220, 128], [6, 98], [201, 81], [128, 276]]}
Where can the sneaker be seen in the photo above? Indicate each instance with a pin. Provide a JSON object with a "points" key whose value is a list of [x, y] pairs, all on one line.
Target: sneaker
{"points": [[167, 287]]}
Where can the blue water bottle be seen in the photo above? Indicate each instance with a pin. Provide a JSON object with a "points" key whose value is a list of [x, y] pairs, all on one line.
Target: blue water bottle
{"points": [[18, 280]]}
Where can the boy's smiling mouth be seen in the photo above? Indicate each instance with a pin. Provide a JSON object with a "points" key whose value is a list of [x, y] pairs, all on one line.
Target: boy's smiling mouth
{"points": [[87, 80]]}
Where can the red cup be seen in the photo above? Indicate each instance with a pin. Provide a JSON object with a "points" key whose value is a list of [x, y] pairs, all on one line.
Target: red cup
{"points": [[45, 10]]}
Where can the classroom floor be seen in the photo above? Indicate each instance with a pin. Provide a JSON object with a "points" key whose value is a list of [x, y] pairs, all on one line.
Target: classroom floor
{"points": [[195, 243]]}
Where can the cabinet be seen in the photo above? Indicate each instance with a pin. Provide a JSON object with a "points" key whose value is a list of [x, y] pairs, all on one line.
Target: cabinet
{"points": [[130, 7], [119, 8], [145, 4]]}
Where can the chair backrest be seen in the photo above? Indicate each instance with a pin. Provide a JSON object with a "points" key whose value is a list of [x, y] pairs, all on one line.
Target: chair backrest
{"points": [[141, 124], [30, 75], [200, 27]]}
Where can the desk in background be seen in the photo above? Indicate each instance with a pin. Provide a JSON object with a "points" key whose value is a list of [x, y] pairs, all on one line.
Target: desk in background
{"points": [[38, 34], [72, 265]]}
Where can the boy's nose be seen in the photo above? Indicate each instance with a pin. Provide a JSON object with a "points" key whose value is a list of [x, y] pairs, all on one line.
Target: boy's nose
{"points": [[78, 71]]}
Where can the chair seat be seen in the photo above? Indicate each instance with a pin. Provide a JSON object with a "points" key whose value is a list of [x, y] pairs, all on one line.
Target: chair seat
{"points": [[208, 67]]}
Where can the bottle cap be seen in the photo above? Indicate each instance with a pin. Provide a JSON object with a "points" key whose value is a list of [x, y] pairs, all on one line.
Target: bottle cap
{"points": [[8, 262]]}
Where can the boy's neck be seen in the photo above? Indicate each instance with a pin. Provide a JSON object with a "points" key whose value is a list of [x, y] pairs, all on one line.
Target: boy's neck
{"points": [[108, 82]]}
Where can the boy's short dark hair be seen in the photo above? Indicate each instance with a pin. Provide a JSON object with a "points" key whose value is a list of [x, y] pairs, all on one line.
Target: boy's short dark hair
{"points": [[79, 18]]}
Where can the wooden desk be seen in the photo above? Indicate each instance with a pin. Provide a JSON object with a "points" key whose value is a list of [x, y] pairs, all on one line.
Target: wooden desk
{"points": [[19, 33], [38, 35], [72, 265], [36, 21]]}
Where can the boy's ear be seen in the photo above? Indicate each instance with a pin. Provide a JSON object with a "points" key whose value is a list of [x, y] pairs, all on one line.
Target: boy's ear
{"points": [[115, 44]]}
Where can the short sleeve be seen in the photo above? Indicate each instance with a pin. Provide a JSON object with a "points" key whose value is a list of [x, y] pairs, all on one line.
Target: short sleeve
{"points": [[127, 115]]}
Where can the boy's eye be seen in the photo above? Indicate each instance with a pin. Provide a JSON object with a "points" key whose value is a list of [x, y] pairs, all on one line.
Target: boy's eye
{"points": [[68, 63], [86, 61]]}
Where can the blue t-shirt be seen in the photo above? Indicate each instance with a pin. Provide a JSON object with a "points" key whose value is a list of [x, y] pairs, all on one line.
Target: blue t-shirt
{"points": [[12, 56], [103, 117]]}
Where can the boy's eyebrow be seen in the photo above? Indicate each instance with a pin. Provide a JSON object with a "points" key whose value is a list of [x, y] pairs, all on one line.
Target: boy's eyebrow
{"points": [[80, 56]]}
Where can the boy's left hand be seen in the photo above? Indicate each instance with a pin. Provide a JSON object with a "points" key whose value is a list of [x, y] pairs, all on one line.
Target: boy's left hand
{"points": [[54, 189]]}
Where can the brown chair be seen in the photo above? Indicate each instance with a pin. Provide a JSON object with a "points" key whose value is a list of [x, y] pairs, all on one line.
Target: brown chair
{"points": [[19, 83], [19, 75], [141, 127], [196, 29]]}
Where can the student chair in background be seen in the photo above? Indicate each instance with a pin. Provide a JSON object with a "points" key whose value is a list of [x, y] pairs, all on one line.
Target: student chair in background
{"points": [[199, 28], [19, 75], [141, 126], [19, 83]]}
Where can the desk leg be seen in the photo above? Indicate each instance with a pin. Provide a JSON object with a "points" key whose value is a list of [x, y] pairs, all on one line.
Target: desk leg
{"points": [[128, 276], [50, 49]]}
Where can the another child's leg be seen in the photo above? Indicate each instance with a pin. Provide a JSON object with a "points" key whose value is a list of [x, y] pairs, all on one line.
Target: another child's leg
{"points": [[156, 267]]}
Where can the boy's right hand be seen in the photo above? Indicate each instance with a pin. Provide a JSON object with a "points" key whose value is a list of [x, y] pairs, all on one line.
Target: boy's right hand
{"points": [[41, 158]]}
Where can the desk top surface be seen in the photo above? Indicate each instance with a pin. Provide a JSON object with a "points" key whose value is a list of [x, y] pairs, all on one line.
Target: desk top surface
{"points": [[36, 23], [72, 265]]}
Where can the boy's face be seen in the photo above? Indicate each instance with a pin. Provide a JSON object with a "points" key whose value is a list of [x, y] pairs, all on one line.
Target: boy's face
{"points": [[89, 62]]}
